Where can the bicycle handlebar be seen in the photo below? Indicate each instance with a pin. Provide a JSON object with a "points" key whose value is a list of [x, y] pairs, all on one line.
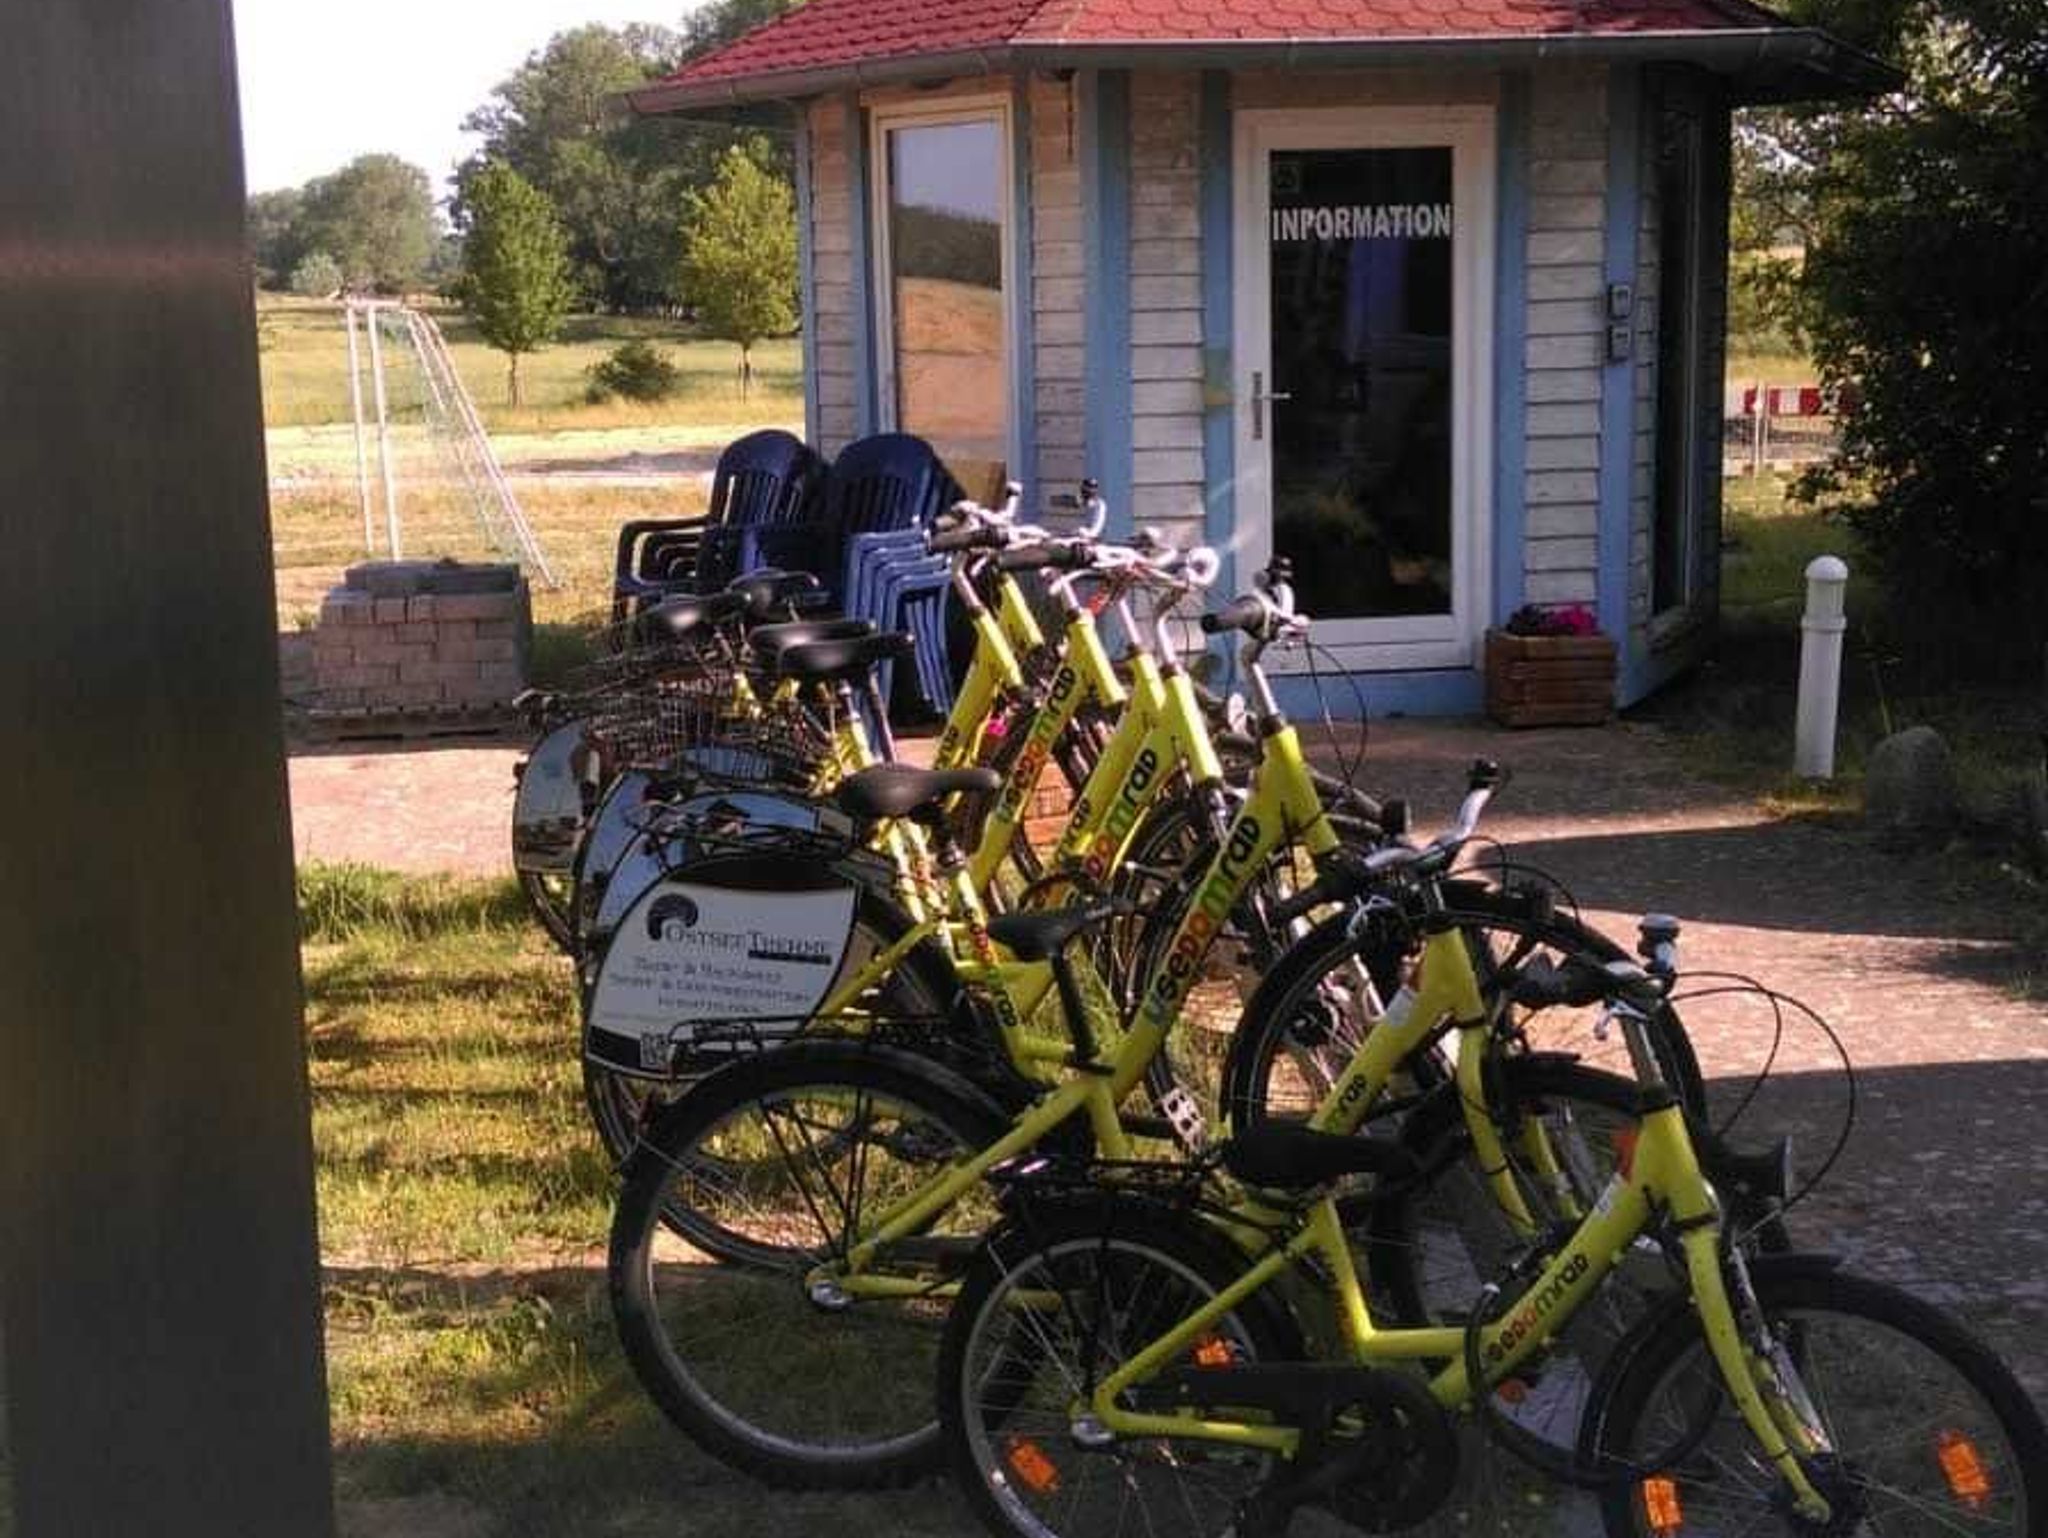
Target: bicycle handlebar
{"points": [[1349, 873]]}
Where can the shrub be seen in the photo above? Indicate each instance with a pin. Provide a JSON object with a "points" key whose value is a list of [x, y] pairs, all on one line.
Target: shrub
{"points": [[318, 276], [638, 371]]}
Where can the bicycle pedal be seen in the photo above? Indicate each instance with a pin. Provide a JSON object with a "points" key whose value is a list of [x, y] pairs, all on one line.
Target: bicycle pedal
{"points": [[1184, 1114]]}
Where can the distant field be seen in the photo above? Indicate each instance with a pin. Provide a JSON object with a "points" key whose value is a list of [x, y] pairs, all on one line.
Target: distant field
{"points": [[582, 470], [305, 373]]}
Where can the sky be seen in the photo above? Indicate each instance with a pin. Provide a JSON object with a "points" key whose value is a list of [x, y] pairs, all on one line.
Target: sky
{"points": [[322, 85]]}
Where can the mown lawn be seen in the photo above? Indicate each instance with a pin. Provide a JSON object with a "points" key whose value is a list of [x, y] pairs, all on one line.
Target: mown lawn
{"points": [[305, 373], [475, 1384]]}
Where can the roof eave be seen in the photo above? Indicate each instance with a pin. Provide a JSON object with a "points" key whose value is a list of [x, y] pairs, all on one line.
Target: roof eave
{"points": [[796, 85], [1767, 63]]}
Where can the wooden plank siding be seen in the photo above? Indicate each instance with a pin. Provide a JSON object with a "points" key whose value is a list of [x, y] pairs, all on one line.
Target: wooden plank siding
{"points": [[1566, 332], [831, 303], [1167, 462], [1058, 290]]}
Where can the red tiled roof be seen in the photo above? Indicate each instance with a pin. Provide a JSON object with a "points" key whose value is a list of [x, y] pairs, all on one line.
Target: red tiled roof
{"points": [[827, 34]]}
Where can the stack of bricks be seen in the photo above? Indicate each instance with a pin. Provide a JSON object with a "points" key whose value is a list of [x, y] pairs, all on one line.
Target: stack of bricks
{"points": [[418, 639]]}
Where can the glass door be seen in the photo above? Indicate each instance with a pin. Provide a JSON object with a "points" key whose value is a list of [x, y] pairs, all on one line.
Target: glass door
{"points": [[1361, 348]]}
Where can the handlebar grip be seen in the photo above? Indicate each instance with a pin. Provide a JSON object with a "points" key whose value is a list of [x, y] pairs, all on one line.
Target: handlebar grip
{"points": [[1054, 557], [1247, 614], [973, 537]]}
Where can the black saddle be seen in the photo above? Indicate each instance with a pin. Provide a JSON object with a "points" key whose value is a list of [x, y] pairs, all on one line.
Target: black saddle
{"points": [[677, 619], [846, 661], [1044, 933], [902, 790], [770, 592], [771, 641], [1290, 1155]]}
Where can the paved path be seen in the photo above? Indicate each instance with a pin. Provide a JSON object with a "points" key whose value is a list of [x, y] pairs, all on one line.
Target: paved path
{"points": [[1945, 1182]]}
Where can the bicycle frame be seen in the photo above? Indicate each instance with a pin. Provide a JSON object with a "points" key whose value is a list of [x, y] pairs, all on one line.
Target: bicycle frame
{"points": [[1661, 1174], [1282, 804]]}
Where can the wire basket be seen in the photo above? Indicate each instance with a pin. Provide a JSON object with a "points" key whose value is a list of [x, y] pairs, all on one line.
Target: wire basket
{"points": [[627, 659], [700, 725]]}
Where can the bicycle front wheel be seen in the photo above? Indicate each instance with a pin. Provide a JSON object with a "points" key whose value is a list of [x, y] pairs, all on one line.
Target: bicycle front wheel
{"points": [[1053, 1304], [1930, 1434], [779, 1164]]}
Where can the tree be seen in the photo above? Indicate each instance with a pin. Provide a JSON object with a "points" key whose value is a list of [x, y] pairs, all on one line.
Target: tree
{"points": [[515, 262], [1922, 292], [318, 276], [376, 217], [557, 121], [740, 256], [616, 179], [274, 250]]}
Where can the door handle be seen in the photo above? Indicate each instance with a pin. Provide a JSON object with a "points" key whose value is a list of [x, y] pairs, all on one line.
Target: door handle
{"points": [[1260, 395]]}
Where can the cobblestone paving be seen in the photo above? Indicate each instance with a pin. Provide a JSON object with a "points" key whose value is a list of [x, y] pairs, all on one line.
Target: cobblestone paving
{"points": [[1945, 1181]]}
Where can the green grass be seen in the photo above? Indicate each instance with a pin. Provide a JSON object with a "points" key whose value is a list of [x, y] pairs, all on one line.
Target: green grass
{"points": [[475, 1383], [305, 373], [1737, 711]]}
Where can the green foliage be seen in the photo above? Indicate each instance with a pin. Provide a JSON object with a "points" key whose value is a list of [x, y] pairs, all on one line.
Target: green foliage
{"points": [[635, 370], [375, 216], [933, 243], [616, 179], [1921, 290], [740, 254], [274, 251], [318, 276], [515, 278]]}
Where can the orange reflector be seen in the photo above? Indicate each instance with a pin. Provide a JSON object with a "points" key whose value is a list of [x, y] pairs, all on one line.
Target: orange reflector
{"points": [[1962, 1468], [1032, 1466], [1660, 1505], [1214, 1351], [1511, 1390], [1625, 1151]]}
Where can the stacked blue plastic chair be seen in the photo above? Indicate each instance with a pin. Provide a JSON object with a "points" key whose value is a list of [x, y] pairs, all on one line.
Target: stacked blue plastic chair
{"points": [[882, 494], [766, 480]]}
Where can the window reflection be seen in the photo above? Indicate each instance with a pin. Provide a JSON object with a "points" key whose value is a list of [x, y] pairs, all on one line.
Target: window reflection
{"points": [[945, 198]]}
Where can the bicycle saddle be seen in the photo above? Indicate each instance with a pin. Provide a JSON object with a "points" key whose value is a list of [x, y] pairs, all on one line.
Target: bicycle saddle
{"points": [[903, 790], [843, 661], [676, 619], [1042, 934], [770, 641], [1289, 1155], [770, 591]]}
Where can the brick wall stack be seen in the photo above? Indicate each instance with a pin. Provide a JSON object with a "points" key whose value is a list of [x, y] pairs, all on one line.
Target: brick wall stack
{"points": [[413, 638]]}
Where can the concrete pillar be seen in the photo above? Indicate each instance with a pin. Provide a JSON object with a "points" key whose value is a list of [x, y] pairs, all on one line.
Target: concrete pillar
{"points": [[159, 1280]]}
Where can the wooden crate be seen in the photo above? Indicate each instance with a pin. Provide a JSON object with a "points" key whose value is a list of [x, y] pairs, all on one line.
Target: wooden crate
{"points": [[1540, 680]]}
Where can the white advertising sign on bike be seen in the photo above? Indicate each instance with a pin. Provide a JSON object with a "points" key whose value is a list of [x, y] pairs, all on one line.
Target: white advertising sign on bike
{"points": [[688, 954]]}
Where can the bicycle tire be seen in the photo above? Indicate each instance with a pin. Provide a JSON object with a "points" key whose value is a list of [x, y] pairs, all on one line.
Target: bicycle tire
{"points": [[1184, 1261], [2014, 1496], [749, 1413], [549, 894], [1283, 1004]]}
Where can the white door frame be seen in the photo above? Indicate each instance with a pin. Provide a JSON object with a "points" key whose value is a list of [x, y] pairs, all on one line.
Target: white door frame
{"points": [[1430, 641]]}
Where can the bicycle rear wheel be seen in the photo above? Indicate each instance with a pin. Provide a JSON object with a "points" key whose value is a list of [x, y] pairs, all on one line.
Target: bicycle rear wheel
{"points": [[1931, 1435], [779, 1163]]}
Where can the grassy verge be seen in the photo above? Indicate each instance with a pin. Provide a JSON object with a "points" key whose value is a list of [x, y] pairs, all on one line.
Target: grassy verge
{"points": [[475, 1384], [1740, 706]]}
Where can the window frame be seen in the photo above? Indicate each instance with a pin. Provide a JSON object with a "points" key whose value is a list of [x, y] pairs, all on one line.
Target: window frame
{"points": [[883, 118]]}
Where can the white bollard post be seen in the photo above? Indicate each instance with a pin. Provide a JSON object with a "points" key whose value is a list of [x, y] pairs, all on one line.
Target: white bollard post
{"points": [[1820, 667]]}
